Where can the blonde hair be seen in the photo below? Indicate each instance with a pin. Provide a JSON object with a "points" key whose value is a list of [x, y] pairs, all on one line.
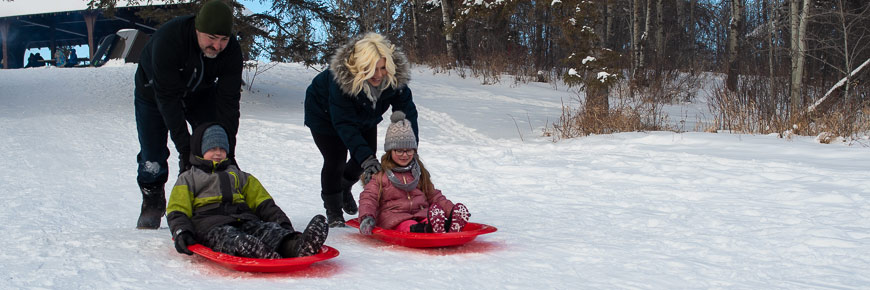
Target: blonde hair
{"points": [[365, 56]]}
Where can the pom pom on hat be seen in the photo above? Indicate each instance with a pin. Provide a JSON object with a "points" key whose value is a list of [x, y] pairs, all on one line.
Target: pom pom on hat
{"points": [[400, 135], [397, 116]]}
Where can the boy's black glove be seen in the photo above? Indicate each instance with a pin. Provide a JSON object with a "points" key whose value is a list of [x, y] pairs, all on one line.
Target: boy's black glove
{"points": [[367, 225], [182, 240], [370, 167]]}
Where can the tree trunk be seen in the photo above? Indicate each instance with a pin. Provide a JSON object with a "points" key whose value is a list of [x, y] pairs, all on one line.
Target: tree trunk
{"points": [[798, 28], [597, 103], [847, 54], [644, 38], [414, 7], [447, 19], [660, 33], [771, 37], [836, 92], [692, 33], [734, 32], [539, 40], [608, 27], [635, 37]]}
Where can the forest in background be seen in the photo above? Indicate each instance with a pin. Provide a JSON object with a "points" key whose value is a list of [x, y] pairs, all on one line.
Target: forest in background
{"points": [[789, 66]]}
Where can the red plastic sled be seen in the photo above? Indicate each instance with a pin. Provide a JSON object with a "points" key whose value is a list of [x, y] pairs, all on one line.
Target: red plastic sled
{"points": [[420, 240], [263, 265]]}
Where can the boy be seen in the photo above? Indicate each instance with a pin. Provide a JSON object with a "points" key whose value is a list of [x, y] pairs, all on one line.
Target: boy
{"points": [[228, 210]]}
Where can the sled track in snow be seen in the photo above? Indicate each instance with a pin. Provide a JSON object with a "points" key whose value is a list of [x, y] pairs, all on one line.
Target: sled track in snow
{"points": [[453, 129]]}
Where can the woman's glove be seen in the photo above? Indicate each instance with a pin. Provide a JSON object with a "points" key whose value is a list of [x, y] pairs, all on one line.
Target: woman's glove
{"points": [[370, 167], [182, 241], [367, 224]]}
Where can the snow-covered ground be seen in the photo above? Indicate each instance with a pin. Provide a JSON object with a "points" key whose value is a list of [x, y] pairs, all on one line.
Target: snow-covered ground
{"points": [[655, 210]]}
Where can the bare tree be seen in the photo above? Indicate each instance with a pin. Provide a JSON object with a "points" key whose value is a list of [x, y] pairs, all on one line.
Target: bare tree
{"points": [[660, 32], [447, 20], [734, 35], [799, 17], [636, 48]]}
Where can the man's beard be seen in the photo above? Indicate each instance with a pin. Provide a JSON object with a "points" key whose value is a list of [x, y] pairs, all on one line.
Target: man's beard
{"points": [[208, 54]]}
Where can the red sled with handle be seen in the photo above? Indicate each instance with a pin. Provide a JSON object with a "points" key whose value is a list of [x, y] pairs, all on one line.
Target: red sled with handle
{"points": [[428, 240], [263, 265]]}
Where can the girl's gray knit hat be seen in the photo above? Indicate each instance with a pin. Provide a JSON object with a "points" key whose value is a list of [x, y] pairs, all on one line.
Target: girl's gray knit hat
{"points": [[400, 135]]}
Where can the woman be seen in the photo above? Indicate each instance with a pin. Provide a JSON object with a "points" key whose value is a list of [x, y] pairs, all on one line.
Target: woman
{"points": [[343, 106]]}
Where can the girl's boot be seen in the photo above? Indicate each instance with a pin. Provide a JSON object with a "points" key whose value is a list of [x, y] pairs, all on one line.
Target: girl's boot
{"points": [[436, 218], [459, 218]]}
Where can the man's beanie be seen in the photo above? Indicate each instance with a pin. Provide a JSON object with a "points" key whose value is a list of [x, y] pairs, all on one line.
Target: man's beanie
{"points": [[214, 136], [215, 17], [400, 135]]}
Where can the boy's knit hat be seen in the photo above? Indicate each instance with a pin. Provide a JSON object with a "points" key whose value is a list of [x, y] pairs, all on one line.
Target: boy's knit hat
{"points": [[215, 17], [400, 135], [215, 136]]}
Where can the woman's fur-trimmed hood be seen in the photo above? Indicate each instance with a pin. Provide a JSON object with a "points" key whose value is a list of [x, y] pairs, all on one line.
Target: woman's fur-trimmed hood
{"points": [[344, 77]]}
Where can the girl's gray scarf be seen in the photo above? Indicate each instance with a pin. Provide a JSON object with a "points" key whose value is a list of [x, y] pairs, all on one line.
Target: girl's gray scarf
{"points": [[415, 172]]}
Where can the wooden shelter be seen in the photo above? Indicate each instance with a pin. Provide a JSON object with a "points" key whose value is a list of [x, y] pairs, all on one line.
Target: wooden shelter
{"points": [[63, 29]]}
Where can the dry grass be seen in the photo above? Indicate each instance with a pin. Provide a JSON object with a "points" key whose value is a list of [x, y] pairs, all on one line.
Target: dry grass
{"points": [[627, 115], [752, 110]]}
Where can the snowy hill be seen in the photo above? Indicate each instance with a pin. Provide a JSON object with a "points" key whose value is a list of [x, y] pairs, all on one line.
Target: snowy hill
{"points": [[655, 210]]}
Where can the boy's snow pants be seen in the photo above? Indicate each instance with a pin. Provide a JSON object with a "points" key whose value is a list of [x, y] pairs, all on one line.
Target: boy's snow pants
{"points": [[252, 239]]}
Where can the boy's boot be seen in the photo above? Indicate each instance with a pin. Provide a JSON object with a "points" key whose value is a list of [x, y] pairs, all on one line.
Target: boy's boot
{"points": [[313, 237], [306, 243], [349, 203], [332, 204], [459, 218], [153, 206], [436, 218]]}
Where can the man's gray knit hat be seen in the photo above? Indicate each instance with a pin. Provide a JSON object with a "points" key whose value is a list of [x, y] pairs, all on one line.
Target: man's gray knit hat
{"points": [[400, 135], [215, 136]]}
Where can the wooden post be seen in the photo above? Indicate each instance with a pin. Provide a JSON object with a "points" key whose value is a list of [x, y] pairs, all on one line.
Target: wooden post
{"points": [[4, 33], [90, 19]]}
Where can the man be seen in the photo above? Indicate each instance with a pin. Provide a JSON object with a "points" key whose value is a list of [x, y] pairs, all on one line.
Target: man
{"points": [[190, 71]]}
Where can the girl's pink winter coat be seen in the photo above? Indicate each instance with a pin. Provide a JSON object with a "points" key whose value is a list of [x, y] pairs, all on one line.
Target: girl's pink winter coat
{"points": [[390, 205]]}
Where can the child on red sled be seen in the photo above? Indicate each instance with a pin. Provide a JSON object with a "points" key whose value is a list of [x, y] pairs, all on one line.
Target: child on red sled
{"points": [[401, 195], [218, 205]]}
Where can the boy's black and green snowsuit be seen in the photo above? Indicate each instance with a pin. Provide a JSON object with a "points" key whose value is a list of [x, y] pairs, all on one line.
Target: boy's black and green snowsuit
{"points": [[226, 209]]}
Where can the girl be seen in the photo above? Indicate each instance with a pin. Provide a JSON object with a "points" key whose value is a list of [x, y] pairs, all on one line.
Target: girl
{"points": [[401, 196]]}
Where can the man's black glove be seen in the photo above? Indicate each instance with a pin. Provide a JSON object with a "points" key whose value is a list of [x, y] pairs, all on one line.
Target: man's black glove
{"points": [[367, 224], [182, 241], [183, 162], [370, 167]]}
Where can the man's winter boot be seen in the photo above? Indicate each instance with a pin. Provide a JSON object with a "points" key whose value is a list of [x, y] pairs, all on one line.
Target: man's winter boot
{"points": [[348, 202], [436, 218], [459, 218], [313, 237], [153, 206], [332, 204]]}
